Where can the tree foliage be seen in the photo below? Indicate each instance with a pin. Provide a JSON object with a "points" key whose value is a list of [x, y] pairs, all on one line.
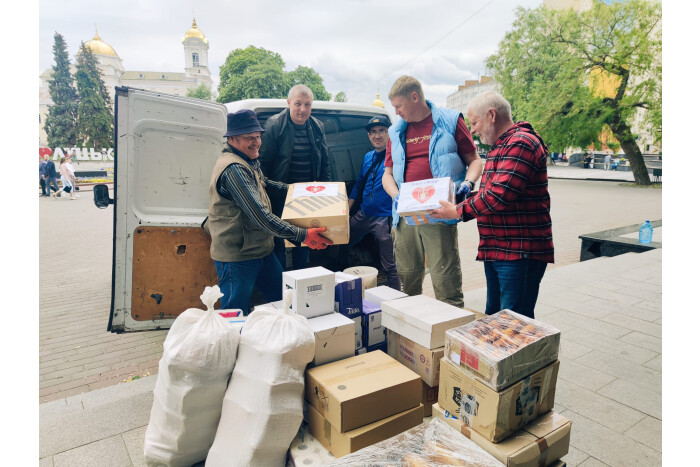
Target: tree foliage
{"points": [[573, 74], [61, 121], [94, 110], [200, 92], [340, 97], [255, 72]]}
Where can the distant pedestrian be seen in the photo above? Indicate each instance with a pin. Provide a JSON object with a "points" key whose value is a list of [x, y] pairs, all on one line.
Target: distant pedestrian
{"points": [[50, 177], [66, 178], [607, 161], [42, 181], [588, 162], [73, 179]]}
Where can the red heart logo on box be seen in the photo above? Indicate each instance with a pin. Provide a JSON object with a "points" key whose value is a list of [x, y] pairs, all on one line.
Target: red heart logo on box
{"points": [[315, 189], [423, 194]]}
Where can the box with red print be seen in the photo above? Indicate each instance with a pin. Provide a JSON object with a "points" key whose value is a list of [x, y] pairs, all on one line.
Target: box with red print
{"points": [[319, 204], [417, 199]]}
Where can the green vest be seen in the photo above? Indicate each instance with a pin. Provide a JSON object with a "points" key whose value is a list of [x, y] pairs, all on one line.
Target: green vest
{"points": [[234, 236]]}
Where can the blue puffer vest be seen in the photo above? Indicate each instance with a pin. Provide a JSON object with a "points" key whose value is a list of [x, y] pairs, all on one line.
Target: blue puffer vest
{"points": [[443, 157]]}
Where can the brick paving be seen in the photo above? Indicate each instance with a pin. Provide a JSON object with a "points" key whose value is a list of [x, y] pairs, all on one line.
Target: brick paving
{"points": [[77, 354]]}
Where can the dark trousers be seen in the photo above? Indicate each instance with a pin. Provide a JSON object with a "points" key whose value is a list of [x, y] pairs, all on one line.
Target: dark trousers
{"points": [[51, 184], [380, 229], [300, 255], [42, 182], [513, 285], [237, 280]]}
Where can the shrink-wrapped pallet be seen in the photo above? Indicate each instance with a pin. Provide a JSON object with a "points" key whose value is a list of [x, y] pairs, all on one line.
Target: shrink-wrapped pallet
{"points": [[430, 444], [263, 405], [503, 348], [198, 356]]}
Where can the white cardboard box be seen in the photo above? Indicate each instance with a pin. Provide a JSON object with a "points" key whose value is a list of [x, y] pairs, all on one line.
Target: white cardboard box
{"points": [[422, 196], [335, 338], [422, 319], [382, 293], [313, 290], [372, 321]]}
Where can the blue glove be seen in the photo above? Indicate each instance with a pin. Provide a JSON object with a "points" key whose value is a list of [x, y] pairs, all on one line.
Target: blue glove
{"points": [[464, 188], [396, 202]]}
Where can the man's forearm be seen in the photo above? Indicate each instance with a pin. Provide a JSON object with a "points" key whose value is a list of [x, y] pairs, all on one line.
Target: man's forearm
{"points": [[474, 170], [389, 183]]}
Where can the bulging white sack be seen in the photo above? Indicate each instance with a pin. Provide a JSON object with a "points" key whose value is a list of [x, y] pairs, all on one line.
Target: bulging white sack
{"points": [[198, 357], [263, 404]]}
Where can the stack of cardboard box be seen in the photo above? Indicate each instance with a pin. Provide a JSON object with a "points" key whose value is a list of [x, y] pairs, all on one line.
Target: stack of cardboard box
{"points": [[497, 384], [416, 337], [373, 331], [361, 400]]}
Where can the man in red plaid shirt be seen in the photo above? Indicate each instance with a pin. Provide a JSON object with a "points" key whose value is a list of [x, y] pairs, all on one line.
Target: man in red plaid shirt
{"points": [[511, 207]]}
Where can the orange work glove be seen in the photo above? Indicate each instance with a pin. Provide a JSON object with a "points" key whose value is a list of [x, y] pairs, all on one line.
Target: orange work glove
{"points": [[315, 240]]}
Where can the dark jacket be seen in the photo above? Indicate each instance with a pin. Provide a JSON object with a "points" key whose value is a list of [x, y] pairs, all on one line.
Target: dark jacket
{"points": [[276, 152], [50, 170]]}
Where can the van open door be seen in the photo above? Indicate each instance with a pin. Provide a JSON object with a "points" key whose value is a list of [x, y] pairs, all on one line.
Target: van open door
{"points": [[166, 147]]}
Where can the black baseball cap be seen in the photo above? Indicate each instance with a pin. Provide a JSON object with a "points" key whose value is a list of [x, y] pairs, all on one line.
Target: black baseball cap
{"points": [[242, 122], [380, 120]]}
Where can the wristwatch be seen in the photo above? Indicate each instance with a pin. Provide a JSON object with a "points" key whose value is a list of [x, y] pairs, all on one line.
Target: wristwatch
{"points": [[471, 185]]}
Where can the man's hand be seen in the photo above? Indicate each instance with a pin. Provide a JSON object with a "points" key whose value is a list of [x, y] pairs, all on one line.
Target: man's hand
{"points": [[447, 211], [315, 240], [465, 188]]}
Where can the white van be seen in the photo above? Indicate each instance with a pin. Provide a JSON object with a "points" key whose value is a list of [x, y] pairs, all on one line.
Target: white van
{"points": [[165, 150]]}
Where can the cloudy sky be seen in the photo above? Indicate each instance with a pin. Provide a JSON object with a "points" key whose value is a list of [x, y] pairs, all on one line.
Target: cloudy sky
{"points": [[357, 46]]}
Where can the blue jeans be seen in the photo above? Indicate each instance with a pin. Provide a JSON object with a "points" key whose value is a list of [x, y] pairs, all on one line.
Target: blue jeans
{"points": [[513, 285], [300, 255], [380, 228], [237, 280]]}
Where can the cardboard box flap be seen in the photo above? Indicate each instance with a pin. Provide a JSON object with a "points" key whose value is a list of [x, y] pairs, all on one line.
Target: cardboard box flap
{"points": [[382, 293], [425, 313], [332, 324]]}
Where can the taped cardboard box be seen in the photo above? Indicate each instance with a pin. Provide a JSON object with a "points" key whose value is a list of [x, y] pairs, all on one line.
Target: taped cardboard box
{"points": [[496, 415], [424, 361], [417, 199], [422, 319], [313, 290], [541, 442], [429, 397], [319, 204], [502, 348], [382, 293], [341, 444], [361, 390], [348, 294], [335, 338]]}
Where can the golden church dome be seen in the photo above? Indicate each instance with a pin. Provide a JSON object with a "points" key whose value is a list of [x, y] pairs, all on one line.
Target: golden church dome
{"points": [[98, 46], [378, 102], [195, 32]]}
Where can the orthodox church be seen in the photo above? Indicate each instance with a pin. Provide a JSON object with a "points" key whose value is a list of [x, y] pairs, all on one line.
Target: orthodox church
{"points": [[196, 72]]}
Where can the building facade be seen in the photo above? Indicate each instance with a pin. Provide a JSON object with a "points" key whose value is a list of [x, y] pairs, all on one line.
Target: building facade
{"points": [[469, 90], [196, 72]]}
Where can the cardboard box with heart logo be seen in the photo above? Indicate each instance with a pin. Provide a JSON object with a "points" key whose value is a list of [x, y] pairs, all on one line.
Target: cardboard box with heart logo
{"points": [[417, 199], [319, 204]]}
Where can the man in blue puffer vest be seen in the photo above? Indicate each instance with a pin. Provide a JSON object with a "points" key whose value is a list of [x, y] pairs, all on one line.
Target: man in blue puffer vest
{"points": [[374, 215], [428, 142]]}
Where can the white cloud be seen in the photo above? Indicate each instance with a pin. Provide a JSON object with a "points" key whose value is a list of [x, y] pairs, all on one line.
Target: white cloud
{"points": [[357, 46]]}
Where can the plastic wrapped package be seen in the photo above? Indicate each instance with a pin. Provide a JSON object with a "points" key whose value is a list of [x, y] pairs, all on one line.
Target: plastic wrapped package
{"points": [[503, 348], [430, 444], [198, 357], [263, 405]]}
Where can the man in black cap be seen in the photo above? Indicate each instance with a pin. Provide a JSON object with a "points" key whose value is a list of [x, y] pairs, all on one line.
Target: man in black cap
{"points": [[374, 213], [294, 150], [241, 223]]}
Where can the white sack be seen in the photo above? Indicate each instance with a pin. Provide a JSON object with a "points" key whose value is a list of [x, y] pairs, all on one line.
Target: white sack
{"points": [[198, 357], [263, 404]]}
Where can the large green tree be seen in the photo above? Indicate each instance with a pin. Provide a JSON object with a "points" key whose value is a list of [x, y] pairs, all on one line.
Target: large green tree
{"points": [[255, 72], [573, 75], [94, 111], [340, 97], [61, 121], [200, 92]]}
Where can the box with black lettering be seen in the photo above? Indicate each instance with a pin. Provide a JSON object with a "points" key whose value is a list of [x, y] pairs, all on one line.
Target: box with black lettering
{"points": [[313, 290]]}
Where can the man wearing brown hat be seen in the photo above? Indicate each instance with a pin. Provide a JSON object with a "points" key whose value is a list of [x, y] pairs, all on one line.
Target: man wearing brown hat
{"points": [[241, 223]]}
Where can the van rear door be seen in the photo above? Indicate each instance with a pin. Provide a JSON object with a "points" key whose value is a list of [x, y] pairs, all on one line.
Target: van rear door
{"points": [[166, 148]]}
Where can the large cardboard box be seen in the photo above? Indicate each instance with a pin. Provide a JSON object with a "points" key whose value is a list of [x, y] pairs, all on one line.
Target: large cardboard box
{"points": [[424, 361], [496, 415], [341, 444], [361, 390], [422, 319], [313, 290], [335, 338], [422, 196], [373, 332], [502, 348], [382, 293], [541, 442], [429, 397], [348, 294], [319, 204]]}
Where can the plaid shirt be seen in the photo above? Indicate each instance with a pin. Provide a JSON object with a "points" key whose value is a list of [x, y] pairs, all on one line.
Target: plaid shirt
{"points": [[511, 206]]}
